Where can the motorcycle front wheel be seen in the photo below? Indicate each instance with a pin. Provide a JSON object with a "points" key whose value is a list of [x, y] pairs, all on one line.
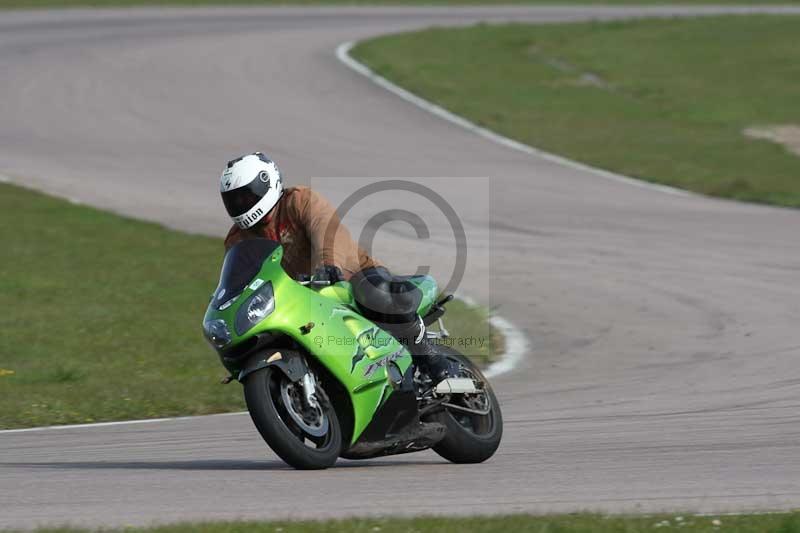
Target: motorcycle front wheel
{"points": [[307, 437], [474, 422]]}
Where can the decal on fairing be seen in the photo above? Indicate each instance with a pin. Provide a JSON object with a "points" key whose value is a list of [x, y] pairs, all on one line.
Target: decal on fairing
{"points": [[364, 340], [372, 367]]}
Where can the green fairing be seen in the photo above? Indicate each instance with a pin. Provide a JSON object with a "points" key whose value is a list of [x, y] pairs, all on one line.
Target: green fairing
{"points": [[342, 340], [427, 285]]}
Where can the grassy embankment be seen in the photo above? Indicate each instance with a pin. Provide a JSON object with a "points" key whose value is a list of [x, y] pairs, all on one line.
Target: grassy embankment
{"points": [[577, 523], [42, 4], [101, 317], [666, 101]]}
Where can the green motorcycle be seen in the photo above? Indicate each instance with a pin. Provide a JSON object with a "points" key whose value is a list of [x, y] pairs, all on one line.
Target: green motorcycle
{"points": [[322, 382]]}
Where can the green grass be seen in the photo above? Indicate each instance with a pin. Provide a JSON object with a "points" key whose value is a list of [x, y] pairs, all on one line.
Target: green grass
{"points": [[577, 523], [36, 4], [661, 100], [101, 317]]}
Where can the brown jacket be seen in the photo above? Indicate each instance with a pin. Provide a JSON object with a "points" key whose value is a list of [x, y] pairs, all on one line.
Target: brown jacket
{"points": [[300, 221]]}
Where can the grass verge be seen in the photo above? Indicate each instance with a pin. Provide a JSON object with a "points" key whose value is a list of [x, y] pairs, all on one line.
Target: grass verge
{"points": [[577, 523], [661, 100], [40, 4], [102, 317]]}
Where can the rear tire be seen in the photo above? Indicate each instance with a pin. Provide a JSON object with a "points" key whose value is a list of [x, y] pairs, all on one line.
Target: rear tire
{"points": [[275, 423], [469, 438]]}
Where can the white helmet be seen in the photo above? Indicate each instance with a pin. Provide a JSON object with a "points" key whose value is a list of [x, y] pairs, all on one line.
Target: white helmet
{"points": [[250, 186]]}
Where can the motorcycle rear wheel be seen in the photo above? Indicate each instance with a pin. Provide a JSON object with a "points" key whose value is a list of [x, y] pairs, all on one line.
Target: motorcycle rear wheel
{"points": [[279, 425], [470, 438]]}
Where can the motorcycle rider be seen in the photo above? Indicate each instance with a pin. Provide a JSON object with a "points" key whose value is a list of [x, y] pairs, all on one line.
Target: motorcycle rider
{"points": [[314, 240]]}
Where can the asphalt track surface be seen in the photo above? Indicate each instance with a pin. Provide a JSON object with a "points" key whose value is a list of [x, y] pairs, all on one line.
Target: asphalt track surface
{"points": [[664, 370]]}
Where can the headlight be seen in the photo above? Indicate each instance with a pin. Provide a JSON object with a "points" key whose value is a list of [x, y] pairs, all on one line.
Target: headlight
{"points": [[255, 309], [217, 332]]}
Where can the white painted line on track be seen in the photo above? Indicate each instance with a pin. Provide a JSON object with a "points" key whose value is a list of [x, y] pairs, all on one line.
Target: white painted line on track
{"points": [[515, 342], [117, 423], [343, 55], [516, 346]]}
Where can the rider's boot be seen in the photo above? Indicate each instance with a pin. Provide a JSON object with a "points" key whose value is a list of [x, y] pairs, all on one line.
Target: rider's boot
{"points": [[424, 354]]}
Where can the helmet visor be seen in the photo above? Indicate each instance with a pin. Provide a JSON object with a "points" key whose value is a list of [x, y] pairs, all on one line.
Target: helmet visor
{"points": [[241, 200]]}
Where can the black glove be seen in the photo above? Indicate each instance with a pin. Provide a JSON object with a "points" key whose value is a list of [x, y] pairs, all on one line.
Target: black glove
{"points": [[328, 273]]}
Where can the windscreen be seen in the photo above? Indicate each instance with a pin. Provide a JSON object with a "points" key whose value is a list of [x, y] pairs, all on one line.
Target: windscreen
{"points": [[242, 262]]}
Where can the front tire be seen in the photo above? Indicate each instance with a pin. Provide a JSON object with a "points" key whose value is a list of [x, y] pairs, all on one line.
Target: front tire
{"points": [[470, 438], [300, 439]]}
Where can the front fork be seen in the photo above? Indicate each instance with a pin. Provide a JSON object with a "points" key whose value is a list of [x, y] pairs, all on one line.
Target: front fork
{"points": [[309, 390], [292, 364]]}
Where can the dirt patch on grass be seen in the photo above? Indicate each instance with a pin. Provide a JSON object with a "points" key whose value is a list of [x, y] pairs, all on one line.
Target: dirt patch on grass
{"points": [[787, 135]]}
